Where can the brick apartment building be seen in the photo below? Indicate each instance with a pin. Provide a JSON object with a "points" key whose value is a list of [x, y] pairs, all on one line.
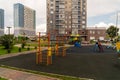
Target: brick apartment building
{"points": [[95, 33]]}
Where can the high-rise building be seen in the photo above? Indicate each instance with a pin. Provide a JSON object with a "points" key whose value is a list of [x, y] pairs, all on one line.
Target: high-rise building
{"points": [[1, 22], [24, 20], [67, 17]]}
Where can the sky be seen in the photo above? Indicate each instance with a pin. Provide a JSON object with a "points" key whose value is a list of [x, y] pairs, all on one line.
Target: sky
{"points": [[100, 13]]}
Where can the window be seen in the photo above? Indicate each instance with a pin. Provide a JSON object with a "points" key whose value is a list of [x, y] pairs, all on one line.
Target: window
{"points": [[91, 37], [83, 26], [90, 32], [51, 12], [51, 22], [83, 22], [101, 38], [98, 32]]}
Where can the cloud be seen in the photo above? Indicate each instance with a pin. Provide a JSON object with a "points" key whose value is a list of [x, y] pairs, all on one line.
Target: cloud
{"points": [[103, 24], [100, 7], [41, 28]]}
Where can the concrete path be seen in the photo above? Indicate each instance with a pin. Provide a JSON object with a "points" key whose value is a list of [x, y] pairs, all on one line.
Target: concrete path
{"points": [[19, 75]]}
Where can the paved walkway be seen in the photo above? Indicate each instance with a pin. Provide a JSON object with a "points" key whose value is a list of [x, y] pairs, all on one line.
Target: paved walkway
{"points": [[19, 75]]}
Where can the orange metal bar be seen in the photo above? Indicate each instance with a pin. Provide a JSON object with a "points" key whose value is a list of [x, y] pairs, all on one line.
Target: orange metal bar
{"points": [[49, 59], [38, 50], [48, 40]]}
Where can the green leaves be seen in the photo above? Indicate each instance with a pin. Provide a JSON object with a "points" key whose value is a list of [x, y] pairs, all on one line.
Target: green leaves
{"points": [[112, 31], [7, 41]]}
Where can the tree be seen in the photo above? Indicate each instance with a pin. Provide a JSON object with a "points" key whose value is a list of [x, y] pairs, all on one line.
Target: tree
{"points": [[7, 41], [112, 31]]}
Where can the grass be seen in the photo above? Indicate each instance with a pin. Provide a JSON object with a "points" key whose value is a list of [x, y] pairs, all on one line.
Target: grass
{"points": [[14, 50], [2, 78], [2, 50], [62, 77]]}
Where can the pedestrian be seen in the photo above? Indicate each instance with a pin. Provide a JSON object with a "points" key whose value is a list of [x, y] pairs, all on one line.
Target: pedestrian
{"points": [[100, 46], [95, 47]]}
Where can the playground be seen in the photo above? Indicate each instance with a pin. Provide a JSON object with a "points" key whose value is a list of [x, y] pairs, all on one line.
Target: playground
{"points": [[80, 62]]}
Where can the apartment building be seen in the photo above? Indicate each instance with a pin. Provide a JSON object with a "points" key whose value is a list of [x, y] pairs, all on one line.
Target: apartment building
{"points": [[1, 22], [66, 17], [24, 20], [95, 33]]}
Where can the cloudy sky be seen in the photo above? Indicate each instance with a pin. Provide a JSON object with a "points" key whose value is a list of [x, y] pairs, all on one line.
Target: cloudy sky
{"points": [[99, 12]]}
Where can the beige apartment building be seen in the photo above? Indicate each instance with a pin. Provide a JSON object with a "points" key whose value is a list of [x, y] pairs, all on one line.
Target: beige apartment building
{"points": [[66, 17]]}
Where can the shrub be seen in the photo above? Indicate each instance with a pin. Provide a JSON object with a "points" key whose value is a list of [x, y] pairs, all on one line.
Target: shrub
{"points": [[35, 47], [19, 49], [28, 48], [9, 50], [7, 41]]}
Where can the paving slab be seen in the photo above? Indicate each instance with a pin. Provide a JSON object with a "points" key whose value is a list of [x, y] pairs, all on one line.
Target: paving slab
{"points": [[20, 75]]}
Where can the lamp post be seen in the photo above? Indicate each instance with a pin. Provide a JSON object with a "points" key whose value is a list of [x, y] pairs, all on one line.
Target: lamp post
{"points": [[9, 30], [117, 21]]}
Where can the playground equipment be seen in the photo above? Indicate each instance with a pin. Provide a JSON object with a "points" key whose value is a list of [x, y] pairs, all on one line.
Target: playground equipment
{"points": [[52, 48], [73, 38], [77, 44], [60, 48], [44, 57]]}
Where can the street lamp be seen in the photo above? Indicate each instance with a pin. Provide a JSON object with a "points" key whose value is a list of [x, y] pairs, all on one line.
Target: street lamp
{"points": [[9, 30], [117, 19]]}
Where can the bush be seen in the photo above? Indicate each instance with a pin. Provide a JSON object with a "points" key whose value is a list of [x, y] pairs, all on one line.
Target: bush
{"points": [[19, 49], [23, 45], [35, 47], [9, 50], [28, 48], [7, 41], [92, 41]]}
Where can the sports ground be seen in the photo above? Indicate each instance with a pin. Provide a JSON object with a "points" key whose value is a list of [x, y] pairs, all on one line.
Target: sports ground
{"points": [[80, 62]]}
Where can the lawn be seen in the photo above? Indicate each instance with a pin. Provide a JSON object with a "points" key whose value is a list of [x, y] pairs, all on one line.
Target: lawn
{"points": [[2, 78], [14, 50]]}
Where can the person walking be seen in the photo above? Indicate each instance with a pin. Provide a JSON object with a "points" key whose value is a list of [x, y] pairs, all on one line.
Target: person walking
{"points": [[95, 47], [100, 46]]}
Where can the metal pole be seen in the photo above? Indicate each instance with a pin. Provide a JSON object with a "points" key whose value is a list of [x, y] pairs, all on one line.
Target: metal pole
{"points": [[9, 30], [116, 22], [116, 19]]}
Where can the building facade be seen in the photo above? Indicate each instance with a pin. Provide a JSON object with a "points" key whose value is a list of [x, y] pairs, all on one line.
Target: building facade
{"points": [[1, 22], [66, 17], [24, 20], [95, 33]]}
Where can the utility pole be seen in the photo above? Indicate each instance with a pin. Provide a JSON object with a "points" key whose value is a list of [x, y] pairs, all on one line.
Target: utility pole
{"points": [[9, 30]]}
